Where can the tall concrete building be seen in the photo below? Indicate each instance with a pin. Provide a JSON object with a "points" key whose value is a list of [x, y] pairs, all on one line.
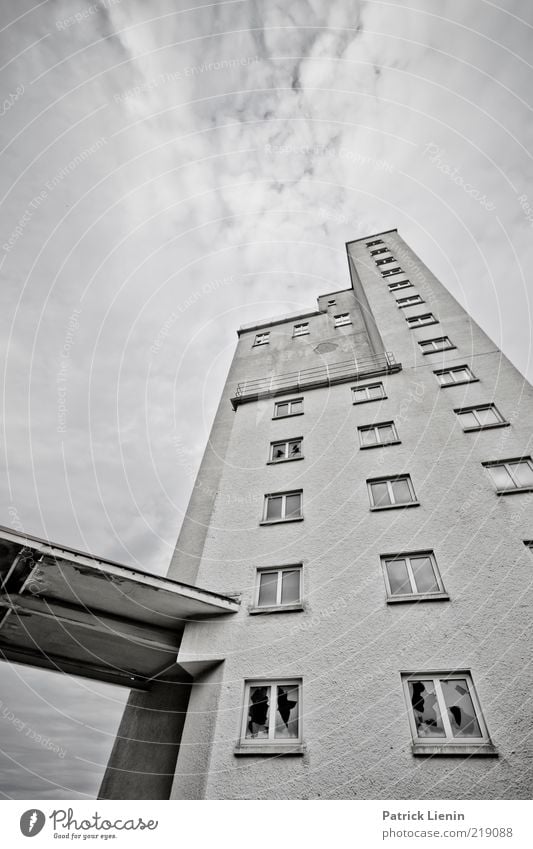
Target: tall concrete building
{"points": [[362, 523]]}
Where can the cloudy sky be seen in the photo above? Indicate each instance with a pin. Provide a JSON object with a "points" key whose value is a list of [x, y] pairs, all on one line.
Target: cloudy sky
{"points": [[170, 173]]}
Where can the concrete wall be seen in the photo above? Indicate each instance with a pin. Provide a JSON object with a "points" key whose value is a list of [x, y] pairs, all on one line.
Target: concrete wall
{"points": [[348, 645]]}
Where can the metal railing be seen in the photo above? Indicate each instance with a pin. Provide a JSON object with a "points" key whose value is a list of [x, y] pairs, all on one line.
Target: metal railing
{"points": [[324, 375]]}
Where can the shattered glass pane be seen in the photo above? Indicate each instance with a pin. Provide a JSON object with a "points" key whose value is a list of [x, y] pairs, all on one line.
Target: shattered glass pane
{"points": [[523, 473], [424, 575], [290, 587], [294, 449], [380, 494], [274, 507], [258, 713], [398, 577], [501, 477], [468, 420], [287, 712], [368, 437], [279, 451], [426, 711], [292, 506], [401, 491], [268, 584], [461, 711]]}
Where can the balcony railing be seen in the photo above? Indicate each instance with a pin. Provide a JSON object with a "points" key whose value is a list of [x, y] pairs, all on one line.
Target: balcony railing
{"points": [[312, 378]]}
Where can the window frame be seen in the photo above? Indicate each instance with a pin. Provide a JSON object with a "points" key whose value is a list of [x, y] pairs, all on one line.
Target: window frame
{"points": [[399, 285], [272, 746], [449, 347], [367, 400], [258, 342], [283, 518], [278, 607], [448, 745], [452, 370], [414, 595], [332, 303], [343, 315], [272, 461], [389, 272], [386, 260], [393, 505], [288, 415], [306, 332], [415, 300], [380, 250], [375, 427], [374, 242], [502, 422], [505, 463], [412, 320]]}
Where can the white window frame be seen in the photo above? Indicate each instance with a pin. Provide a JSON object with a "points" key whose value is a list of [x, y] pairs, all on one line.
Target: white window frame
{"points": [[290, 402], [409, 301], [500, 420], [506, 464], [421, 320], [279, 570], [298, 331], [285, 442], [451, 371], [389, 272], [376, 428], [399, 285], [388, 480], [262, 339], [449, 744], [283, 517], [368, 386], [415, 594], [430, 346], [342, 320], [272, 744]]}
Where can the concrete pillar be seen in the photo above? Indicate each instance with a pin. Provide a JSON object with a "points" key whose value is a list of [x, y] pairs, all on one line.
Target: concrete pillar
{"points": [[143, 759]]}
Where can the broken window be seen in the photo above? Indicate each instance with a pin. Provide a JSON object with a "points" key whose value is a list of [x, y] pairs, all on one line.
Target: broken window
{"points": [[293, 407], [301, 329], [484, 415], [511, 474], [389, 492], [431, 346], [289, 449], [342, 319], [444, 707], [379, 434], [371, 392], [279, 587], [283, 506], [262, 338], [412, 575], [451, 376], [421, 320], [272, 711]]}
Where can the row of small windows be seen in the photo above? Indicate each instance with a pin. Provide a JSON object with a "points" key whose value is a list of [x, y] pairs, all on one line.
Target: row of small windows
{"points": [[441, 707], [302, 329]]}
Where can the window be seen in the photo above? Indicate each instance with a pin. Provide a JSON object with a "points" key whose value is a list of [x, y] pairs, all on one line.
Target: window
{"points": [[262, 338], [477, 418], [272, 716], [454, 376], [374, 242], [412, 576], [279, 588], [511, 475], [431, 346], [391, 492], [294, 407], [372, 436], [400, 284], [341, 320], [301, 329], [411, 300], [289, 449], [332, 303], [377, 251], [371, 392], [444, 714], [421, 320], [385, 260], [388, 272], [283, 507]]}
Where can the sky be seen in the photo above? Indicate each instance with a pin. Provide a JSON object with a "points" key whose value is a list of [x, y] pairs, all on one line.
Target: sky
{"points": [[172, 171]]}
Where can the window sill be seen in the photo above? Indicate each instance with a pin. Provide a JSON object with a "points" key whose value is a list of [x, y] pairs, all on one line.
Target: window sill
{"points": [[486, 427], [459, 383], [410, 597], [272, 749], [414, 304], [454, 749], [439, 350], [284, 460], [395, 506], [281, 608], [512, 491], [287, 416], [260, 344], [425, 324], [299, 336], [380, 444], [281, 521], [369, 400]]}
